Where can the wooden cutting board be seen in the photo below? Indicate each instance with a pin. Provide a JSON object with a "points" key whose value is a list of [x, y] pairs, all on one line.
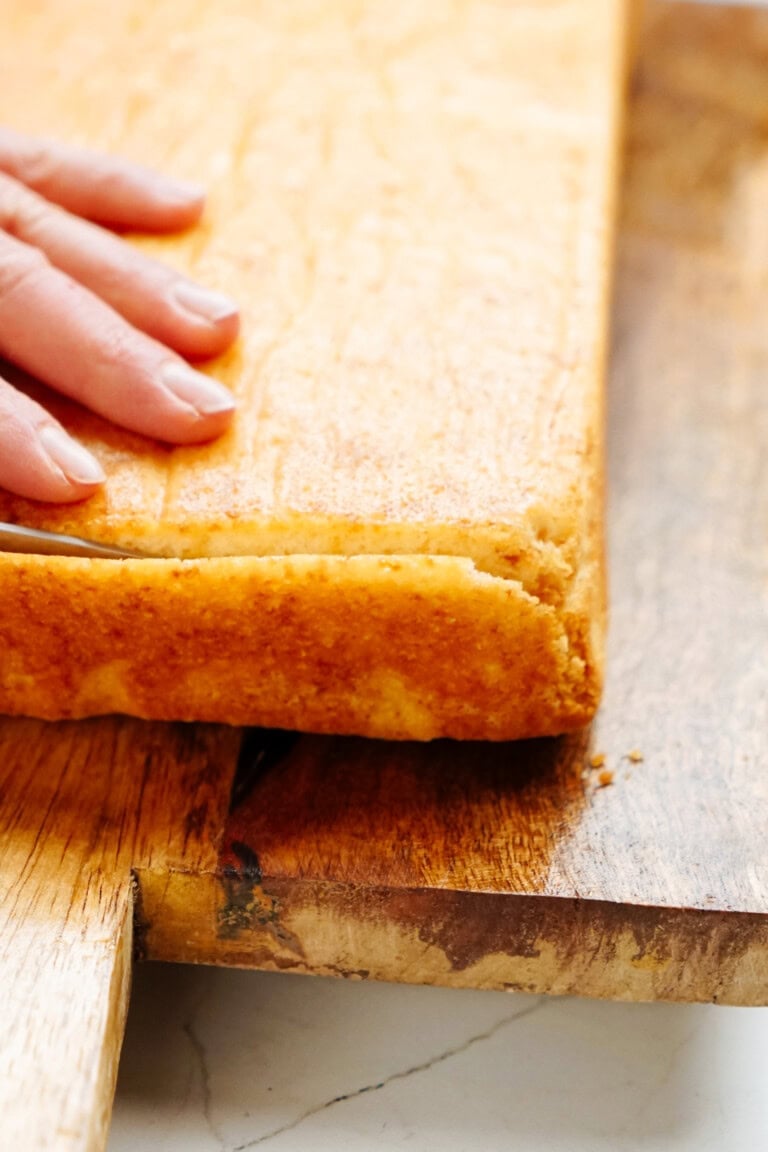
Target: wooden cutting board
{"points": [[628, 862]]}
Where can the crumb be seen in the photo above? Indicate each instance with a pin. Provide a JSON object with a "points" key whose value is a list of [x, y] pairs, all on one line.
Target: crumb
{"points": [[635, 756], [605, 778], [598, 760]]}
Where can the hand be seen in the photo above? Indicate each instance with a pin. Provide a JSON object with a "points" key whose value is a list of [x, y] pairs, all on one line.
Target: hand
{"points": [[94, 318]]}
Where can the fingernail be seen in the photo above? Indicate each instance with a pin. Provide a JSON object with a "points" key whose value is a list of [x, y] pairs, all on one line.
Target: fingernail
{"points": [[180, 190], [204, 394], [206, 305], [75, 462]]}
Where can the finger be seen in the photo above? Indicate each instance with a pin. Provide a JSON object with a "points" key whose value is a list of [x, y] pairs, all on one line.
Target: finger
{"points": [[63, 334], [153, 297], [38, 459], [102, 188]]}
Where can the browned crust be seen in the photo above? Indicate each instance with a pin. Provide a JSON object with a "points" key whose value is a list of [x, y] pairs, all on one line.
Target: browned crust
{"points": [[410, 647]]}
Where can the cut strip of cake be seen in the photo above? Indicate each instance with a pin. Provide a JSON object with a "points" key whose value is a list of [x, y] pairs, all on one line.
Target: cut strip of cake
{"points": [[402, 534]]}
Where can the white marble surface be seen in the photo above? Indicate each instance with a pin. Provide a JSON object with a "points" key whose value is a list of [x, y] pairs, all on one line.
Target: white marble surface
{"points": [[223, 1061]]}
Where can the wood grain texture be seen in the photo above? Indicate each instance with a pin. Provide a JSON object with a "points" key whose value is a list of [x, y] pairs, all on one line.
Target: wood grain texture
{"points": [[646, 875], [81, 805]]}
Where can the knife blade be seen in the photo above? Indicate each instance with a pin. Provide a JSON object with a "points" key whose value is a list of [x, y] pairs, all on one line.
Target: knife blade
{"points": [[36, 542]]}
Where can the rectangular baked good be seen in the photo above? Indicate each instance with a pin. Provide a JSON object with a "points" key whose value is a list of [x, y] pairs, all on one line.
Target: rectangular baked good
{"points": [[402, 534]]}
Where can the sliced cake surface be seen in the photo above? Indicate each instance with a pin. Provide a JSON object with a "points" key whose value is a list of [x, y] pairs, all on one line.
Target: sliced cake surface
{"points": [[413, 204]]}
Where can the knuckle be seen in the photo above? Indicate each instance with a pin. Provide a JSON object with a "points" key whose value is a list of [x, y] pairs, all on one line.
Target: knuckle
{"points": [[19, 264], [15, 410], [7, 403], [36, 163], [21, 211], [119, 273], [117, 345]]}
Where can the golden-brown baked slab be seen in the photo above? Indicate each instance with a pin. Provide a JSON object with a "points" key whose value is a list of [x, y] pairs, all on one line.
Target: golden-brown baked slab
{"points": [[401, 536]]}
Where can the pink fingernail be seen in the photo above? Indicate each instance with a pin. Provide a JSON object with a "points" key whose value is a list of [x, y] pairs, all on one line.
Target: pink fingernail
{"points": [[204, 304], [179, 191], [75, 462], [203, 393]]}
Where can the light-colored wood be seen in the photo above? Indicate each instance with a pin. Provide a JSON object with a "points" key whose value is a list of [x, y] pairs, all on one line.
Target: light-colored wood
{"points": [[496, 866], [82, 804], [64, 971]]}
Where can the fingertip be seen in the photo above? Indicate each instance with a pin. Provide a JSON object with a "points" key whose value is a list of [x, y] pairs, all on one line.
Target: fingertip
{"points": [[204, 304], [222, 335], [181, 406], [186, 190], [66, 472], [147, 203], [217, 423], [210, 404], [176, 205], [194, 427], [76, 463], [205, 430], [38, 478], [227, 330], [66, 492], [38, 458], [203, 323]]}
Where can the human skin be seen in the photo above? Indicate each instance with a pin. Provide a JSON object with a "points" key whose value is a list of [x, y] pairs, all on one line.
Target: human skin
{"points": [[95, 319]]}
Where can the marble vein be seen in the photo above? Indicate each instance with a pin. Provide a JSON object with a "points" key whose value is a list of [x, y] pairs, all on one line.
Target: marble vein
{"points": [[188, 1027], [660, 1081], [413, 1070]]}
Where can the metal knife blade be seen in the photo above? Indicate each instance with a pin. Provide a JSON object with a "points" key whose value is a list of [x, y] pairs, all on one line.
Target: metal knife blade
{"points": [[36, 542]]}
